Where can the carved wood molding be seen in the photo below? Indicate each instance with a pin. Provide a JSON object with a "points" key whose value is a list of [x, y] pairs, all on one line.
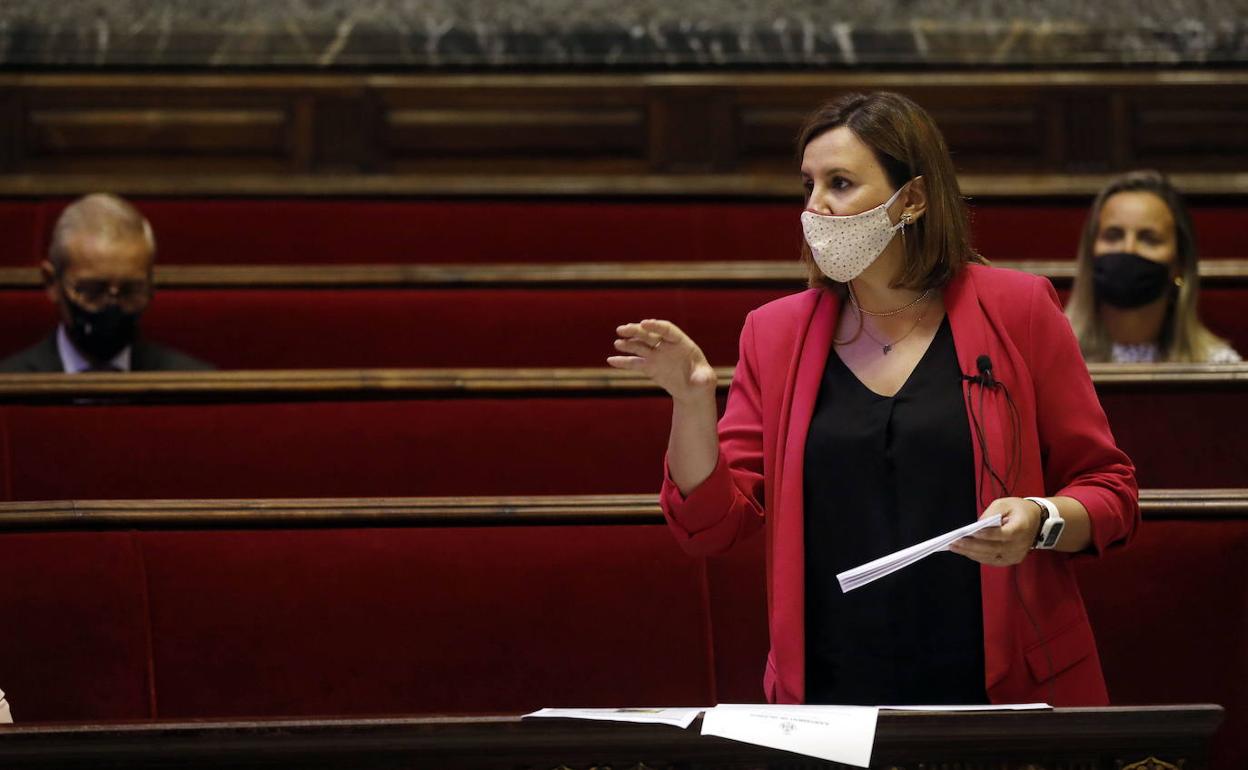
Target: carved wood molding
{"points": [[324, 383], [634, 134], [337, 81], [542, 510], [730, 274], [317, 384], [760, 185]]}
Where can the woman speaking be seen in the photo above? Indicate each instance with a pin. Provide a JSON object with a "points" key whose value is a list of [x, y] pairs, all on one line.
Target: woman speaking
{"points": [[908, 391]]}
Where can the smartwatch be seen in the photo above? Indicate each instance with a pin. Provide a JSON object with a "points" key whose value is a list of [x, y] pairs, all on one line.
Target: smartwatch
{"points": [[1051, 525]]}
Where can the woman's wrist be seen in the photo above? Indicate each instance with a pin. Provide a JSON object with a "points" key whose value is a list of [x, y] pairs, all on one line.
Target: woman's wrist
{"points": [[1044, 513], [695, 397]]}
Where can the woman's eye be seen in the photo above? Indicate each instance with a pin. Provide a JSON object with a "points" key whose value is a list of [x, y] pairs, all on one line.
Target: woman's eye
{"points": [[839, 183]]}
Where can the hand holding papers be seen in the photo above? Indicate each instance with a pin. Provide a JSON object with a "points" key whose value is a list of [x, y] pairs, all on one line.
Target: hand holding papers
{"points": [[886, 565]]}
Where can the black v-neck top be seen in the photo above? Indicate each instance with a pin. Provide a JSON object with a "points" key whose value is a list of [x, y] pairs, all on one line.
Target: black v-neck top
{"points": [[881, 474]]}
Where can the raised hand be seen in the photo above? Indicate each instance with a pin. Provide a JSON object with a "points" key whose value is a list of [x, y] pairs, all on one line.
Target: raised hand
{"points": [[667, 356]]}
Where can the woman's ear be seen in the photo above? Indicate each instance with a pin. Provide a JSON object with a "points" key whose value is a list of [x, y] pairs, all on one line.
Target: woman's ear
{"points": [[914, 200]]}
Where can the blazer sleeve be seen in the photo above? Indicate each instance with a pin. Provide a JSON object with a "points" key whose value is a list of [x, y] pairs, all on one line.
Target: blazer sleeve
{"points": [[728, 506], [1077, 447]]}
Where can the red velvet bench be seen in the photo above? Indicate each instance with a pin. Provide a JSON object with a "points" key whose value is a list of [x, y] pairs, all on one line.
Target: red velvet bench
{"points": [[288, 328], [193, 609], [362, 231], [347, 433]]}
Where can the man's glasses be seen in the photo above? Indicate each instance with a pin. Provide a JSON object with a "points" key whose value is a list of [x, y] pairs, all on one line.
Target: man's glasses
{"points": [[95, 294]]}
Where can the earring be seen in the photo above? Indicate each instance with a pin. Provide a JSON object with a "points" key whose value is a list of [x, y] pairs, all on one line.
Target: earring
{"points": [[1178, 281]]}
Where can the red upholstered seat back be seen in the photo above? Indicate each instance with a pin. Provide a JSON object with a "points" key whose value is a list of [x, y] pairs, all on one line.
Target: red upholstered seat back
{"points": [[1171, 620], [77, 640], [559, 444], [269, 623], [361, 328], [323, 329], [358, 231], [184, 624], [439, 446], [424, 620]]}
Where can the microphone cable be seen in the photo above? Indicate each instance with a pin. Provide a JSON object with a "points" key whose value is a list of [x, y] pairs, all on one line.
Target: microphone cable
{"points": [[1013, 467]]}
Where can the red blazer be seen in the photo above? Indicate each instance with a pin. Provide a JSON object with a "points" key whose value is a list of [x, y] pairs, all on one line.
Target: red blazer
{"points": [[1038, 644]]}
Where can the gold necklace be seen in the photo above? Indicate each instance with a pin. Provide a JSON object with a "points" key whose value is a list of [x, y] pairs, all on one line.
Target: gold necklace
{"points": [[887, 347], [853, 298]]}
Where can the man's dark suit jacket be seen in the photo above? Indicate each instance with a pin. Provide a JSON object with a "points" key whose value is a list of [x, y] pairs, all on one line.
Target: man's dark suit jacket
{"points": [[144, 357]]}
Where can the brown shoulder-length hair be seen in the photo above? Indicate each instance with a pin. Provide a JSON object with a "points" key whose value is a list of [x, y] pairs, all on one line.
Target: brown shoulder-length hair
{"points": [[1183, 337], [907, 143]]}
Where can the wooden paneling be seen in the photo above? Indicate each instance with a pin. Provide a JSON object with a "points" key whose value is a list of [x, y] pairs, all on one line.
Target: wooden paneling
{"points": [[210, 128], [495, 125], [327, 384], [487, 132], [1231, 273], [642, 134], [518, 511], [337, 132], [99, 131], [560, 181], [1140, 738], [1193, 130], [989, 131]]}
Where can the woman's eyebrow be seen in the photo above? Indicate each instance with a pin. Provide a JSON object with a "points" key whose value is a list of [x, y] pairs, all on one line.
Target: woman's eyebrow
{"points": [[828, 172]]}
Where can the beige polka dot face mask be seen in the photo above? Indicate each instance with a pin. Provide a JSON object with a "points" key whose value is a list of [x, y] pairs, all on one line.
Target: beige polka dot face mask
{"points": [[845, 246]]}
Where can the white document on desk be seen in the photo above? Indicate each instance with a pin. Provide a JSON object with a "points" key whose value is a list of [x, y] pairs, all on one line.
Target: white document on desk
{"points": [[835, 733], [676, 717], [886, 565]]}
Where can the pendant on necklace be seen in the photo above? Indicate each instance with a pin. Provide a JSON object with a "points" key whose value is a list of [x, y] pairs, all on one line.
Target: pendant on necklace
{"points": [[887, 348]]}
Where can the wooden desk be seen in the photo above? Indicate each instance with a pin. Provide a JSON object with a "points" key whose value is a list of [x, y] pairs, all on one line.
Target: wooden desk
{"points": [[1143, 738]]}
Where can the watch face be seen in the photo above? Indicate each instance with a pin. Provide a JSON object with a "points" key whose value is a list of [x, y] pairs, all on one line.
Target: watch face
{"points": [[1052, 531]]}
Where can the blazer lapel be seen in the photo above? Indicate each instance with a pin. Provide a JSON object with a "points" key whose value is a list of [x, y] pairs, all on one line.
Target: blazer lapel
{"points": [[973, 338], [810, 357]]}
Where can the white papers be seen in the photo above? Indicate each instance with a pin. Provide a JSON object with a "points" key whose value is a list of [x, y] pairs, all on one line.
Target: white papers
{"points": [[979, 707], [835, 733], [677, 717], [887, 565]]}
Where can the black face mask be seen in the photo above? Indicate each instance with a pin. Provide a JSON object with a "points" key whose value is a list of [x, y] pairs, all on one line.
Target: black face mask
{"points": [[101, 334], [1127, 280]]}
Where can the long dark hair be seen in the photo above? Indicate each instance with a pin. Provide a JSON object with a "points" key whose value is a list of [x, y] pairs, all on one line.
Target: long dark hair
{"points": [[907, 143]]}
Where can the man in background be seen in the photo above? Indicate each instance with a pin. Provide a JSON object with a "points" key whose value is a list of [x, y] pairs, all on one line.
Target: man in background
{"points": [[99, 275]]}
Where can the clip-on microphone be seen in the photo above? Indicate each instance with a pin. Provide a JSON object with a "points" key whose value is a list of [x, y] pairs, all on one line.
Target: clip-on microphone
{"points": [[984, 364]]}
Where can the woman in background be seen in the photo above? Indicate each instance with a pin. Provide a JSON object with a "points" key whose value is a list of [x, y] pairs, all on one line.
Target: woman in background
{"points": [[1137, 283]]}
